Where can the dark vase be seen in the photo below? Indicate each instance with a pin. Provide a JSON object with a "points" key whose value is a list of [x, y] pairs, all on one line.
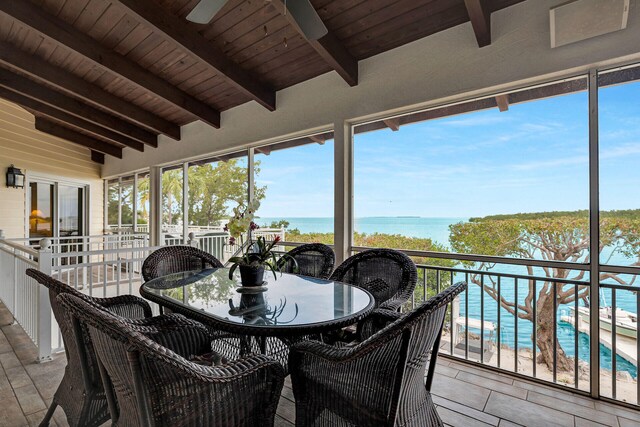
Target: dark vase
{"points": [[251, 276]]}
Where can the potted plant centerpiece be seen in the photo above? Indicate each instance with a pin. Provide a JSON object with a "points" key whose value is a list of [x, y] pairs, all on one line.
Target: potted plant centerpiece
{"points": [[258, 255]]}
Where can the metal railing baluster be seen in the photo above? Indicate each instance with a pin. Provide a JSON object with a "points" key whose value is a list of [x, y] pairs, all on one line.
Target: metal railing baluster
{"points": [[555, 331], [482, 318], [498, 315], [576, 337], [535, 327], [515, 327], [614, 350], [466, 318]]}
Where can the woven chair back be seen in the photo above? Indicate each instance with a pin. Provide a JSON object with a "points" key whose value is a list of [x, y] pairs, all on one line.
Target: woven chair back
{"points": [[385, 273], [174, 259], [419, 331], [80, 355], [312, 259]]}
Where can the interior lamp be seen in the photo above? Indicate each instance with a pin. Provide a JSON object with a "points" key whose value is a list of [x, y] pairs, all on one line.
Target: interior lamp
{"points": [[15, 177]]}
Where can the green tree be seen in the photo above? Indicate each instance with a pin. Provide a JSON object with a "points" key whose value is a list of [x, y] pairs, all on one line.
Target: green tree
{"points": [[113, 202], [126, 205], [283, 223], [428, 283], [143, 199], [215, 187], [172, 196], [545, 236]]}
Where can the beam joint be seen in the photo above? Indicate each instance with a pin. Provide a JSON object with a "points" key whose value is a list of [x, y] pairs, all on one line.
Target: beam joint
{"points": [[480, 17]]}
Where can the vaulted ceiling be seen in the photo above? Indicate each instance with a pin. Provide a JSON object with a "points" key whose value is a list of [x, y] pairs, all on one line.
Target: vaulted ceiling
{"points": [[109, 74]]}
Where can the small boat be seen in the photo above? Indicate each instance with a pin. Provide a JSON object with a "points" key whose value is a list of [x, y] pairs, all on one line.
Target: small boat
{"points": [[626, 322]]}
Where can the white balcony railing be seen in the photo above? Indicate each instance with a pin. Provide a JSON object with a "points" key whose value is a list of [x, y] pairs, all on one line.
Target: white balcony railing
{"points": [[477, 329]]}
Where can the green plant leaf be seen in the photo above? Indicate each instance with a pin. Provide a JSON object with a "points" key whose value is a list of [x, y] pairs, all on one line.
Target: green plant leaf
{"points": [[231, 270]]}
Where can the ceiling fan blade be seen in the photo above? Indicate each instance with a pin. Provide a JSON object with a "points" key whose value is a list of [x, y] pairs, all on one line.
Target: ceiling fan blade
{"points": [[307, 18], [204, 11]]}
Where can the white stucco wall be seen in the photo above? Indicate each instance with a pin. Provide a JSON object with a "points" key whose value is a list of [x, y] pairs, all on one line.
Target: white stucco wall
{"points": [[438, 69]]}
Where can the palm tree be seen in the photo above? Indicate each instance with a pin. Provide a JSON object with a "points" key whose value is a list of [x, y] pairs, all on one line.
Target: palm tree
{"points": [[172, 193]]}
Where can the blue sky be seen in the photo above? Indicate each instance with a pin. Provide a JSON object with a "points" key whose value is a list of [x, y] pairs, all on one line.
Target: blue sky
{"points": [[531, 158]]}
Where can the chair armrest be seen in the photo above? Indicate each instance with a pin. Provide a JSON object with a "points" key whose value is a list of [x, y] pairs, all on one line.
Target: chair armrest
{"points": [[357, 380], [393, 304], [249, 388], [331, 353], [164, 320], [377, 320], [129, 306], [175, 332]]}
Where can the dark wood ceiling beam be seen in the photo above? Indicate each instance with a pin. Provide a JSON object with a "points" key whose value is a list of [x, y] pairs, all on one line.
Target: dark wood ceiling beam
{"points": [[72, 106], [503, 102], [38, 108], [59, 31], [318, 139], [97, 157], [329, 48], [480, 16], [46, 126], [88, 92], [393, 124], [183, 33]]}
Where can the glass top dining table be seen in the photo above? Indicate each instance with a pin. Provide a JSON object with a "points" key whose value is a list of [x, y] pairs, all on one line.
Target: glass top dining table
{"points": [[287, 306]]}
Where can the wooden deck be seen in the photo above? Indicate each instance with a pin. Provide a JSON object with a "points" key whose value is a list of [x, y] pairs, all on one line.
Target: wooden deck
{"points": [[465, 395]]}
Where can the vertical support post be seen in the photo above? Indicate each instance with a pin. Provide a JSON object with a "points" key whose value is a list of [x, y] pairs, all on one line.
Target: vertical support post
{"points": [[594, 236], [119, 206], [134, 203], [105, 206], [250, 175], [343, 190], [185, 202], [155, 206], [44, 305]]}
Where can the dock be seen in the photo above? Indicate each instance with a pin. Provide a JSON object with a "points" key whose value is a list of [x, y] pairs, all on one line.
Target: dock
{"points": [[625, 347]]}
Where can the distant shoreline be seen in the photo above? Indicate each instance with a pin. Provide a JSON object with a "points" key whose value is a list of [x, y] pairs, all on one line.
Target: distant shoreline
{"points": [[277, 218]]}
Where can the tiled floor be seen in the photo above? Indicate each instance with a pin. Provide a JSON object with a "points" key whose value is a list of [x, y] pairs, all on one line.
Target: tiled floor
{"points": [[465, 395]]}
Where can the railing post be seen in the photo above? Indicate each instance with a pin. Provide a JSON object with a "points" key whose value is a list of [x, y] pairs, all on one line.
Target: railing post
{"points": [[43, 304], [192, 240]]}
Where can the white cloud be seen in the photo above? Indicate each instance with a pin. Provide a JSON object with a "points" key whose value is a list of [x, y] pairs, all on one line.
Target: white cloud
{"points": [[565, 161], [475, 120]]}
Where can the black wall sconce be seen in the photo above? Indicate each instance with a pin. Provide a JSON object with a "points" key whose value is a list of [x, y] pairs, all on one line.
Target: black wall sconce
{"points": [[15, 177]]}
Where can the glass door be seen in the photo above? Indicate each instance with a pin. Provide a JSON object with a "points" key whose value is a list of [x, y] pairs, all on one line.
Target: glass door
{"points": [[70, 216], [70, 211], [41, 210], [58, 211]]}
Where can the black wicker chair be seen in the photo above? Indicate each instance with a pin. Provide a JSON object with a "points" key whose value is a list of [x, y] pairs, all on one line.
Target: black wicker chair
{"points": [[389, 275], [81, 394], [157, 385], [379, 381], [313, 259], [174, 259]]}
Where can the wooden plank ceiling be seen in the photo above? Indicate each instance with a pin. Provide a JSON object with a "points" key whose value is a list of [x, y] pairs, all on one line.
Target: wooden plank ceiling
{"points": [[109, 74]]}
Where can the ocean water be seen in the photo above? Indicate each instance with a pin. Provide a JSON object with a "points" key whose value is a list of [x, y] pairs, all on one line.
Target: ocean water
{"points": [[437, 229]]}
